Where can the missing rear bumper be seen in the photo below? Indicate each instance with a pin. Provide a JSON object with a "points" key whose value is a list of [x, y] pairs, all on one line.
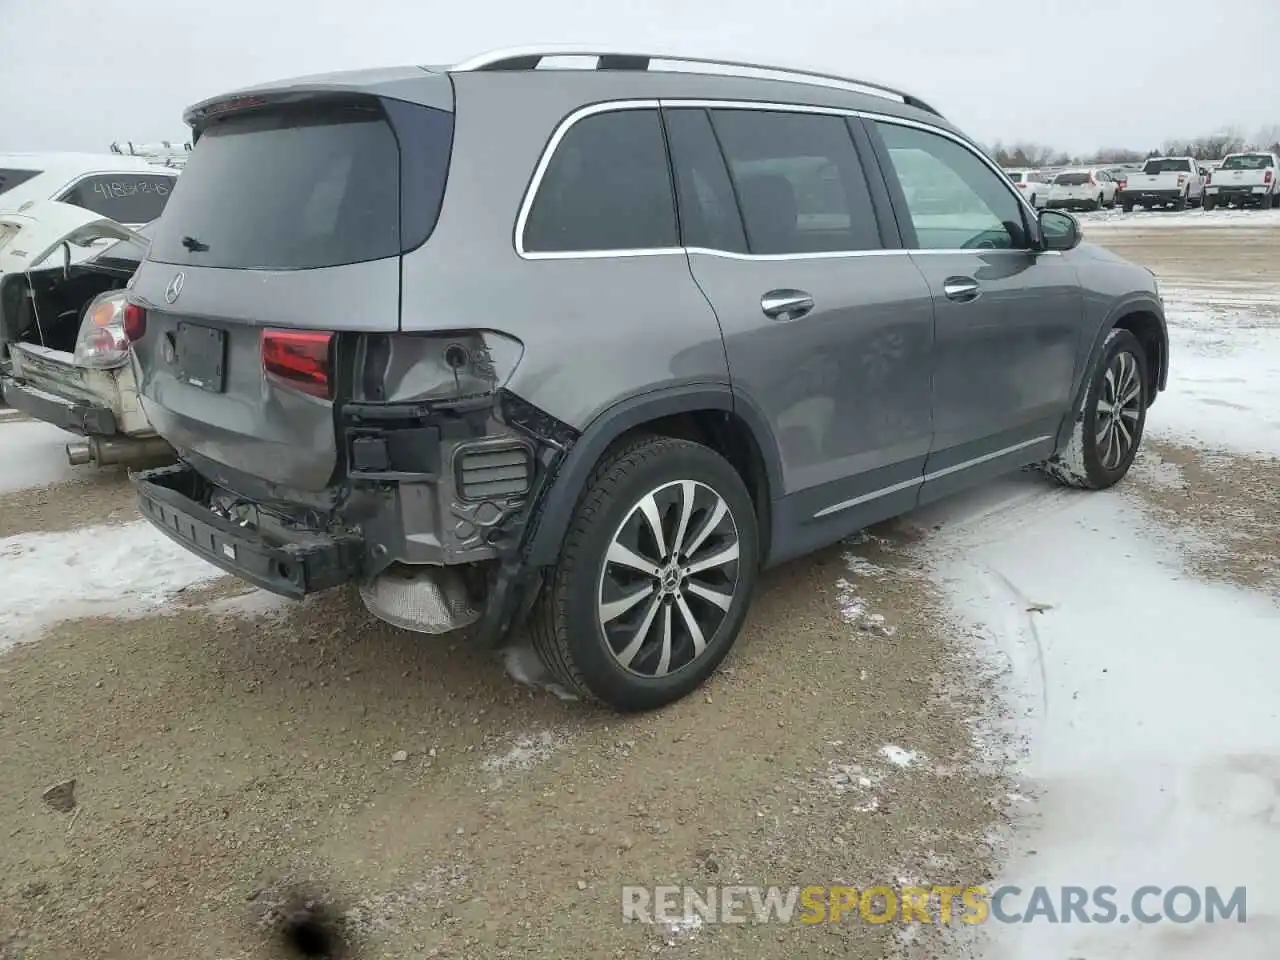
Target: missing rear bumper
{"points": [[175, 500]]}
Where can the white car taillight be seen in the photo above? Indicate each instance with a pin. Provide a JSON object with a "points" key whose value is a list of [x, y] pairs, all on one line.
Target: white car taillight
{"points": [[102, 343]]}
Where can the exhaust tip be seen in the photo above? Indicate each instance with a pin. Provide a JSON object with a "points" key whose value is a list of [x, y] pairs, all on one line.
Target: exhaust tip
{"points": [[78, 453]]}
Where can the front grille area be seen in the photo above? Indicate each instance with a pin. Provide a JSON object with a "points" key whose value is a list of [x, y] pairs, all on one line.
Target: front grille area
{"points": [[493, 472]]}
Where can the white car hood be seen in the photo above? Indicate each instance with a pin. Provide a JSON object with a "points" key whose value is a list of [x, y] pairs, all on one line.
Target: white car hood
{"points": [[31, 235]]}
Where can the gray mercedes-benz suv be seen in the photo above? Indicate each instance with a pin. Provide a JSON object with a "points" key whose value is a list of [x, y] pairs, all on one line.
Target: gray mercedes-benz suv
{"points": [[509, 343]]}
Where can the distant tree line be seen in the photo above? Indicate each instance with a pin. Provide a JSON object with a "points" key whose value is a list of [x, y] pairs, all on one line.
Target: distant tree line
{"points": [[1211, 146]]}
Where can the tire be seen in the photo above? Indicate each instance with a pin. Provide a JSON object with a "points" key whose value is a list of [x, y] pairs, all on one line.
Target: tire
{"points": [[1090, 460], [1127, 207], [1209, 203], [620, 660], [1097, 204], [1181, 203], [1275, 201]]}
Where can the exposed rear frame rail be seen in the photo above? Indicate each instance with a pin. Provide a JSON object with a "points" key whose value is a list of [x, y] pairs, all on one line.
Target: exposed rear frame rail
{"points": [[530, 58]]}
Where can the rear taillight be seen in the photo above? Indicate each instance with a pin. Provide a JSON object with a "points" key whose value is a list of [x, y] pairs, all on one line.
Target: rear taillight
{"points": [[299, 359], [135, 322], [1021, 186], [1266, 177], [101, 342], [1182, 178], [1208, 178]]}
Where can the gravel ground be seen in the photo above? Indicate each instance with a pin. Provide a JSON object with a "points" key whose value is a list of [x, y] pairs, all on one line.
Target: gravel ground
{"points": [[230, 756]]}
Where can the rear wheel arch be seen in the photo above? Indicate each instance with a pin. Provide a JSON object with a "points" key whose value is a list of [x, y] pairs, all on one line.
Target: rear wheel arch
{"points": [[709, 414]]}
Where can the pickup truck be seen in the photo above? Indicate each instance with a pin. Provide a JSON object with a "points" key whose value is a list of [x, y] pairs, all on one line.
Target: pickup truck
{"points": [[1244, 178], [1164, 182]]}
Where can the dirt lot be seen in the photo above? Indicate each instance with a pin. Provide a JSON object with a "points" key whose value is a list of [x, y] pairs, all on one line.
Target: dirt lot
{"points": [[226, 758]]}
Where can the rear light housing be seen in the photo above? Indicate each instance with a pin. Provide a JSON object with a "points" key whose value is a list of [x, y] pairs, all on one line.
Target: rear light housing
{"points": [[134, 321], [102, 342], [1208, 178], [301, 360], [1266, 176]]}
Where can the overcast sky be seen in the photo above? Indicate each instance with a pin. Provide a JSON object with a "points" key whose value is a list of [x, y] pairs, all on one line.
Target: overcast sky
{"points": [[1076, 74]]}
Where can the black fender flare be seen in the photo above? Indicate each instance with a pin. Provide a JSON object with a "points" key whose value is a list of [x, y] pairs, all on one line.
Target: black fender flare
{"points": [[1140, 302], [570, 480]]}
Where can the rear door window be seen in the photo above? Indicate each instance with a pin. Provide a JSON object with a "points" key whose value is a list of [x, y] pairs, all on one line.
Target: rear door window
{"points": [[10, 178], [709, 215], [607, 187], [122, 197], [798, 180], [315, 184]]}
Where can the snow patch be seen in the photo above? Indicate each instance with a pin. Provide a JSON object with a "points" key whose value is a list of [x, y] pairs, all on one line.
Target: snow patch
{"points": [[125, 570], [524, 666], [899, 757], [526, 752], [34, 455], [252, 605]]}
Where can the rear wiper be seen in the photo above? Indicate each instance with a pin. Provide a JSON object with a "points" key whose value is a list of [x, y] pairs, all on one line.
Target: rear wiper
{"points": [[194, 245]]}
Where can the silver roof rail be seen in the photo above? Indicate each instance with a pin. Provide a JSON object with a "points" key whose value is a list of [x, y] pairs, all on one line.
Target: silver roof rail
{"points": [[530, 58]]}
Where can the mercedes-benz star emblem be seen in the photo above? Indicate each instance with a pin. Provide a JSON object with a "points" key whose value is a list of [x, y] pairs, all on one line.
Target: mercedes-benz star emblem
{"points": [[174, 288]]}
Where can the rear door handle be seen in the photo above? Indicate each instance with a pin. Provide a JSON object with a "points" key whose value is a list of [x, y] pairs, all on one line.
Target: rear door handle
{"points": [[961, 289], [786, 304]]}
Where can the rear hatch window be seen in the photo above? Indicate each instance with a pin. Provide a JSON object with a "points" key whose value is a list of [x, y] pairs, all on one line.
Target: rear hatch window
{"points": [[309, 185], [10, 178], [1252, 161], [1071, 179], [1015, 177]]}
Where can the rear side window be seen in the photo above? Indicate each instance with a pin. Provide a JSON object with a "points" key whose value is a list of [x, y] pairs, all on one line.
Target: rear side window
{"points": [[123, 197], [312, 185], [798, 180], [11, 178], [606, 187]]}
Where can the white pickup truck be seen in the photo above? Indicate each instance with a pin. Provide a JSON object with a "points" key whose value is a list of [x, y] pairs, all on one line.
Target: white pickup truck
{"points": [[1164, 182], [1245, 178]]}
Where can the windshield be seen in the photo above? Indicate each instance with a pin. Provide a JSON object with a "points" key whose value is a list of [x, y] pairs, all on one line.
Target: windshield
{"points": [[1247, 161], [1071, 179], [1167, 165], [11, 178], [312, 185]]}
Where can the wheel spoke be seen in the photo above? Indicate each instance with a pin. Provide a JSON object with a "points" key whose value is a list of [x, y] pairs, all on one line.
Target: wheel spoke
{"points": [[1128, 398], [1109, 383], [664, 659], [721, 600], [649, 508], [626, 557], [687, 490], [1104, 407], [713, 521], [728, 555], [1131, 414], [691, 624], [1102, 434], [1112, 458], [631, 649], [1125, 436], [615, 608]]}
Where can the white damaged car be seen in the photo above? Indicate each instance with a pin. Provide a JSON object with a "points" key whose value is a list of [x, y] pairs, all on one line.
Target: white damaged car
{"points": [[64, 350]]}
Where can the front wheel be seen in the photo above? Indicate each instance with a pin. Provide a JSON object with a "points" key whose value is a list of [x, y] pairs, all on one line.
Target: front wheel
{"points": [[654, 577], [1109, 424]]}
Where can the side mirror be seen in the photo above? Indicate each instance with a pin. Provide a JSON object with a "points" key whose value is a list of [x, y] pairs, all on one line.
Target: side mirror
{"points": [[1059, 231]]}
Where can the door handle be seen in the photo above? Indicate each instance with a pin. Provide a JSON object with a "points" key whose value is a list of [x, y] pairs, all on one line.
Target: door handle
{"points": [[786, 304], [961, 289]]}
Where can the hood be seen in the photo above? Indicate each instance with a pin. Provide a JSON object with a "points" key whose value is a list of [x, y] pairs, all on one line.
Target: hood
{"points": [[31, 235]]}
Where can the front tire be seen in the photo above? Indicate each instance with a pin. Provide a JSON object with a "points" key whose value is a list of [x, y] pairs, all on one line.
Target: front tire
{"points": [[654, 578], [1108, 427]]}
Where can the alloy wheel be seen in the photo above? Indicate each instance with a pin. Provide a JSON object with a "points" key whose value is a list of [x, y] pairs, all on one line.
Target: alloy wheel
{"points": [[669, 578], [1119, 410]]}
